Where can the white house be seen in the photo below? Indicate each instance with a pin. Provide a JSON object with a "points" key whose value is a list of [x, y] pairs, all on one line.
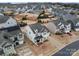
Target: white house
{"points": [[37, 33], [59, 26], [6, 21]]}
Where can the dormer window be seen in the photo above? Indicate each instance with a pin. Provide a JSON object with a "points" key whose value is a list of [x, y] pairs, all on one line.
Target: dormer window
{"points": [[44, 33], [20, 35], [77, 24]]}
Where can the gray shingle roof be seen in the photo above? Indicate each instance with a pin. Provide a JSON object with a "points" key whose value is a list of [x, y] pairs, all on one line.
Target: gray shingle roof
{"points": [[3, 40], [59, 21], [75, 21], [69, 17], [40, 28], [3, 18], [13, 33]]}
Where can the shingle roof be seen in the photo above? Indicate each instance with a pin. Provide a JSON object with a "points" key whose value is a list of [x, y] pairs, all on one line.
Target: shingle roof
{"points": [[3, 40], [40, 28], [15, 32], [3, 18], [59, 21], [75, 21], [12, 31], [69, 17]]}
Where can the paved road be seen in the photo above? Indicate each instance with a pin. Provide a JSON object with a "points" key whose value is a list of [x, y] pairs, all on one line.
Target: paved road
{"points": [[68, 50]]}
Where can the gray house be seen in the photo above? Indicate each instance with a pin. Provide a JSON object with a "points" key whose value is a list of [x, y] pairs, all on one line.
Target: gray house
{"points": [[6, 45], [75, 24], [16, 36], [59, 26], [73, 20]]}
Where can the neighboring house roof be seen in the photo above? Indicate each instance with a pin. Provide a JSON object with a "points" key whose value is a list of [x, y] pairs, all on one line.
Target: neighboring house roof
{"points": [[38, 27], [69, 17], [3, 39], [11, 28], [59, 22], [3, 18], [15, 32], [12, 32], [75, 21]]}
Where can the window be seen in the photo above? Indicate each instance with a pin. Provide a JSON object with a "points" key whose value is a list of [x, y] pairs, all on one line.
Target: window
{"points": [[17, 43], [20, 35], [29, 32], [8, 23], [8, 47], [77, 24], [16, 39], [44, 33]]}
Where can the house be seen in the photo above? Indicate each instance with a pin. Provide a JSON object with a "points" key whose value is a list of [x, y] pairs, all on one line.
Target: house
{"points": [[10, 36], [73, 20], [15, 35], [67, 17], [6, 45], [6, 21], [37, 33], [75, 24], [59, 26]]}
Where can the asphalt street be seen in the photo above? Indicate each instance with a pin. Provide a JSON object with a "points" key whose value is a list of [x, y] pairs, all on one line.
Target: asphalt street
{"points": [[68, 50]]}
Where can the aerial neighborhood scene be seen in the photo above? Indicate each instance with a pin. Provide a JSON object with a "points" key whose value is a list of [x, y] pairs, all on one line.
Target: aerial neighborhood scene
{"points": [[39, 29]]}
